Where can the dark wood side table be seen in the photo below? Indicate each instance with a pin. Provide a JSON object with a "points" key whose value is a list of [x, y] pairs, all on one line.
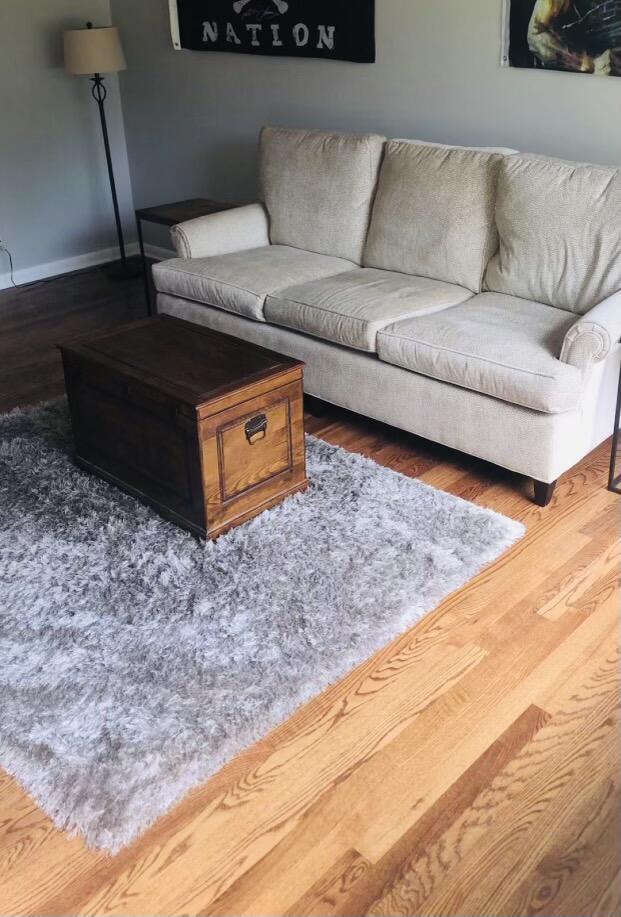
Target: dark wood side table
{"points": [[170, 215], [614, 480]]}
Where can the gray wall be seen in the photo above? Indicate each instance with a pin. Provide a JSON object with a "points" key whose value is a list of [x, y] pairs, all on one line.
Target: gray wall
{"points": [[192, 118], [54, 191]]}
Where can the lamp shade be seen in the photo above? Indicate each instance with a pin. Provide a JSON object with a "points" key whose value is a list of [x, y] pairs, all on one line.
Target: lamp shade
{"points": [[93, 51]]}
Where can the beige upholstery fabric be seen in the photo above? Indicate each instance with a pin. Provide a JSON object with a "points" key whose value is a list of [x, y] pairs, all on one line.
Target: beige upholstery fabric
{"points": [[239, 282], [220, 233], [540, 445], [560, 232], [592, 337], [351, 308], [499, 345], [434, 213], [318, 188], [503, 150]]}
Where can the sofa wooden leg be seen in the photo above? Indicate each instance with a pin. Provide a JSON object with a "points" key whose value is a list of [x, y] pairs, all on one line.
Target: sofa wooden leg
{"points": [[315, 406], [544, 492]]}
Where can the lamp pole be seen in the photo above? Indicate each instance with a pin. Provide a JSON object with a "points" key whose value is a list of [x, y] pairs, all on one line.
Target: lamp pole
{"points": [[100, 93]]}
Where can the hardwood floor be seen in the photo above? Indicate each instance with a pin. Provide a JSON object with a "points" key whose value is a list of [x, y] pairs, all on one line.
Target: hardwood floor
{"points": [[470, 768], [36, 317]]}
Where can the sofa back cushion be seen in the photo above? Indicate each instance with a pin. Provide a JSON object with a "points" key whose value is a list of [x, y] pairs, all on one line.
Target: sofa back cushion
{"points": [[503, 150], [318, 188], [434, 213], [560, 232]]}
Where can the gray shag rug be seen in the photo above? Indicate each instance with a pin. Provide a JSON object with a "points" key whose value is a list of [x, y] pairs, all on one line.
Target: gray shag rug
{"points": [[135, 661]]}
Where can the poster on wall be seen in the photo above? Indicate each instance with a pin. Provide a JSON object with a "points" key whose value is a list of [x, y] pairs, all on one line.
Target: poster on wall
{"points": [[333, 29], [578, 36]]}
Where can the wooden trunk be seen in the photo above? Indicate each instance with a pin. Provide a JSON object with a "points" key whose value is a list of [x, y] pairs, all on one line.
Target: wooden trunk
{"points": [[206, 429]]}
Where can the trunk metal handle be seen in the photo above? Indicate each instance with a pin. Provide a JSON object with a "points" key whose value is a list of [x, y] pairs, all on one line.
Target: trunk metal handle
{"points": [[256, 429]]}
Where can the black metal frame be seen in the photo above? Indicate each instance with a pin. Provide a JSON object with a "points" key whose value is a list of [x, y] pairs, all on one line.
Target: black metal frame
{"points": [[614, 481], [143, 262], [99, 93]]}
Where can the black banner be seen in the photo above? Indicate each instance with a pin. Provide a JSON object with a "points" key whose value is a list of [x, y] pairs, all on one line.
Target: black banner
{"points": [[333, 29]]}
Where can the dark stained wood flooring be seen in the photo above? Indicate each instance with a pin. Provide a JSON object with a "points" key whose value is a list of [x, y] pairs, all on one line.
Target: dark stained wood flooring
{"points": [[36, 317]]}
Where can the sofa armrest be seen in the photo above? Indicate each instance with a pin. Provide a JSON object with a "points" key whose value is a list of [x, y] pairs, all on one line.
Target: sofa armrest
{"points": [[592, 338], [233, 230]]}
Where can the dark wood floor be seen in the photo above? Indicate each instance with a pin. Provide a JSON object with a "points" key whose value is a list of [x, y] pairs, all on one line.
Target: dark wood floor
{"points": [[469, 769], [36, 317]]}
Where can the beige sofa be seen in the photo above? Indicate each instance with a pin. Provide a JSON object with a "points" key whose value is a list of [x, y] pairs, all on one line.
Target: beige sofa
{"points": [[467, 296]]}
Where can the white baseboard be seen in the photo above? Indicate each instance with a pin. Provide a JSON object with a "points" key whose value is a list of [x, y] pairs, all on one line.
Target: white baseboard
{"points": [[78, 263]]}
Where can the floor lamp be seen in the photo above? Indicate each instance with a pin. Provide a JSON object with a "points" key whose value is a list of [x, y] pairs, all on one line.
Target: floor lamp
{"points": [[92, 52]]}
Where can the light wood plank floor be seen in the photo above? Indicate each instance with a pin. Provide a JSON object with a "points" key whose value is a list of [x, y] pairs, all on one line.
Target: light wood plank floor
{"points": [[470, 768]]}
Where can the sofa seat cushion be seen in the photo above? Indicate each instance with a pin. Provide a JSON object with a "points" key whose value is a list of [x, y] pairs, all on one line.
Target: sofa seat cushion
{"points": [[497, 345], [351, 308], [434, 213], [240, 282], [318, 188]]}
